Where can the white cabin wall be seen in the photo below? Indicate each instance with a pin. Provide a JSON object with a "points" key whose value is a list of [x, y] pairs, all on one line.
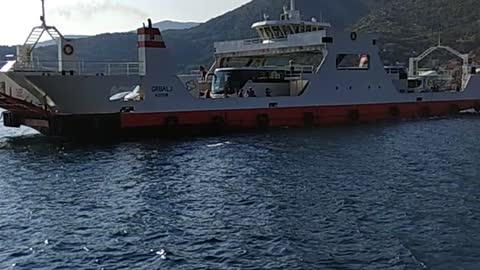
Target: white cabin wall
{"points": [[333, 86]]}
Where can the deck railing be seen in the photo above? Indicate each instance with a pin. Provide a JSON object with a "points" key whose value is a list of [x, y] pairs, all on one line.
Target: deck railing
{"points": [[83, 67], [262, 41], [297, 40]]}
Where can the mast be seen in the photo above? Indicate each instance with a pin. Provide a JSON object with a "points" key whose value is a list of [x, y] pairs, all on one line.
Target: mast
{"points": [[292, 5], [42, 18], [25, 52]]}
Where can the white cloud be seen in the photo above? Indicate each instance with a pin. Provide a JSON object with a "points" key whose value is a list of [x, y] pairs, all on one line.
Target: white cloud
{"points": [[88, 17], [89, 9]]}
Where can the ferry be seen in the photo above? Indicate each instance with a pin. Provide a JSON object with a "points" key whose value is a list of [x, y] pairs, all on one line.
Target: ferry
{"points": [[297, 73]]}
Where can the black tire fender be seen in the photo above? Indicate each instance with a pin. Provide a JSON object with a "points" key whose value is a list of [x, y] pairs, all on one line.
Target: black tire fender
{"points": [[476, 106], [218, 121], [453, 109], [263, 121], [394, 112], [309, 119], [425, 111], [171, 121], [353, 116]]}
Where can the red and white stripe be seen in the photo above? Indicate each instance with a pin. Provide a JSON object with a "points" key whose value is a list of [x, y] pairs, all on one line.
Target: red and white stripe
{"points": [[150, 38]]}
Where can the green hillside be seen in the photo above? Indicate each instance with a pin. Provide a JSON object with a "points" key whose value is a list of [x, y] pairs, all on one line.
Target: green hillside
{"points": [[4, 50], [406, 27], [413, 25], [194, 46]]}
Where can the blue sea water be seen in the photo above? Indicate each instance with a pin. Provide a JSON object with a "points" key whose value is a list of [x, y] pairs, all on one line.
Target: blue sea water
{"points": [[395, 196]]}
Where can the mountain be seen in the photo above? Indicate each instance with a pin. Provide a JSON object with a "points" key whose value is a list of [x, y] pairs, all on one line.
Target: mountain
{"points": [[51, 42], [4, 50], [194, 46], [406, 27], [409, 26], [164, 25], [172, 25]]}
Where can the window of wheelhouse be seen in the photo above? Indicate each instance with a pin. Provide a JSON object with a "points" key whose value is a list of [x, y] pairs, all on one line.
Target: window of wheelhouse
{"points": [[268, 33], [287, 29], [353, 61], [277, 31], [262, 33]]}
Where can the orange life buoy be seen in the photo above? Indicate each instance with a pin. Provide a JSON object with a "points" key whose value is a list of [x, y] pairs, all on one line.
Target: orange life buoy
{"points": [[68, 49]]}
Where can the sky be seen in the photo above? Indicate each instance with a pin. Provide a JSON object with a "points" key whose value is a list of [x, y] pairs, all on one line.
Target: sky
{"points": [[88, 17]]}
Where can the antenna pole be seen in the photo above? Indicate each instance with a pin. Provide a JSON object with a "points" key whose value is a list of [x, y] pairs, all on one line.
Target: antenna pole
{"points": [[42, 18]]}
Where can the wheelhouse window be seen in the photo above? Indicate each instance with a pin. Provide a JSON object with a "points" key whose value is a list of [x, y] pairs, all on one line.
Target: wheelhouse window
{"points": [[287, 30], [353, 61], [277, 31], [269, 33]]}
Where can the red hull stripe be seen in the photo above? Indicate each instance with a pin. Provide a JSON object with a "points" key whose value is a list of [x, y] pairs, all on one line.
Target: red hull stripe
{"points": [[151, 44], [148, 31], [278, 117]]}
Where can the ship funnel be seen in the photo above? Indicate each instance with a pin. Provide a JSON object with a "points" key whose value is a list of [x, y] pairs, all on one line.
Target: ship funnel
{"points": [[292, 5], [151, 48]]}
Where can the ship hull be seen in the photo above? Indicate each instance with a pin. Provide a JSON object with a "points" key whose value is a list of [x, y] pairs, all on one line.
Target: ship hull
{"points": [[168, 124], [83, 106]]}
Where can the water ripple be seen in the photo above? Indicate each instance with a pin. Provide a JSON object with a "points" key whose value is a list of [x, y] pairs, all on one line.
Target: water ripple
{"points": [[402, 196]]}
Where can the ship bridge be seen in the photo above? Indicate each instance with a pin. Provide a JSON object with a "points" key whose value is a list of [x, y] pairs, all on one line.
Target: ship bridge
{"points": [[290, 23], [288, 35], [305, 42]]}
